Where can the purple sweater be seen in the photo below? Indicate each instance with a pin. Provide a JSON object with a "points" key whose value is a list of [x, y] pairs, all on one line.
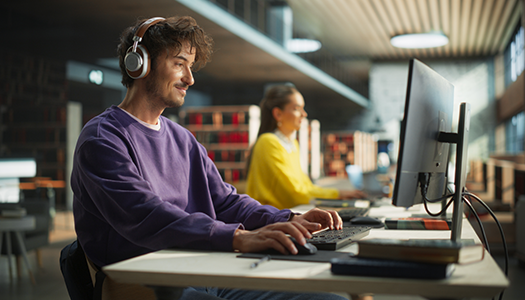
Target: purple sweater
{"points": [[137, 190]]}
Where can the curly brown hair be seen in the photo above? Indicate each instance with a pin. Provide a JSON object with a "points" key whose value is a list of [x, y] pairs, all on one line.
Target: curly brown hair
{"points": [[167, 35]]}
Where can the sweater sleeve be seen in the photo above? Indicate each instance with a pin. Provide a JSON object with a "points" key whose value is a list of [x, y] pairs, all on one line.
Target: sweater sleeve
{"points": [[276, 177], [125, 202], [240, 208], [116, 198]]}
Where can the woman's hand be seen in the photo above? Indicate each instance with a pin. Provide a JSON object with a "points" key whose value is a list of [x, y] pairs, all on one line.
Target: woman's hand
{"points": [[353, 194]]}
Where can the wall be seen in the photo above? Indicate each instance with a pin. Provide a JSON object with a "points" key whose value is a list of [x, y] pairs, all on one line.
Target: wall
{"points": [[473, 82]]}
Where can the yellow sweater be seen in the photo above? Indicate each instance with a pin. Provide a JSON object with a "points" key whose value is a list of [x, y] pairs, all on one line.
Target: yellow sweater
{"points": [[276, 178]]}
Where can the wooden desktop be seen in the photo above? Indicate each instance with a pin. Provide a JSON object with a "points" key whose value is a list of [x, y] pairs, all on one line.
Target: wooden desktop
{"points": [[177, 269]]}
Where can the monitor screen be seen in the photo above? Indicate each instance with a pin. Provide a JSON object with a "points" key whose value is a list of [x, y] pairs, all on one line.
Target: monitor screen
{"points": [[11, 169], [428, 111]]}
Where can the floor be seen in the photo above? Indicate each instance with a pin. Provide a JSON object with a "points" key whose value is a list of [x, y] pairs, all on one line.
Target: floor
{"points": [[50, 285]]}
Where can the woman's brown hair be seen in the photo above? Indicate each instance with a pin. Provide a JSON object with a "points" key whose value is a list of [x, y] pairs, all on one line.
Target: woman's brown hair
{"points": [[274, 96]]}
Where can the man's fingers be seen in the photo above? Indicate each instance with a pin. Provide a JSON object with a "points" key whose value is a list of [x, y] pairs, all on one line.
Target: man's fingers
{"points": [[337, 221]]}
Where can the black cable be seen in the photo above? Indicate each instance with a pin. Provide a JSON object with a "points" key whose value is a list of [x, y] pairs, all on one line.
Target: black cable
{"points": [[483, 235], [499, 227], [500, 230], [424, 180], [438, 213]]}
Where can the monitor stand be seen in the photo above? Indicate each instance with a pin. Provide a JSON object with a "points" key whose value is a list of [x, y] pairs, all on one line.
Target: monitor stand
{"points": [[461, 140]]}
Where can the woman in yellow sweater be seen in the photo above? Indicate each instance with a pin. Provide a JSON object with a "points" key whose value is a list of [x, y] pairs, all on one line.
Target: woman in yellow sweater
{"points": [[275, 176]]}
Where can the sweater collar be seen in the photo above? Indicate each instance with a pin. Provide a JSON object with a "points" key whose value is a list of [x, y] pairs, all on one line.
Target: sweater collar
{"points": [[285, 141]]}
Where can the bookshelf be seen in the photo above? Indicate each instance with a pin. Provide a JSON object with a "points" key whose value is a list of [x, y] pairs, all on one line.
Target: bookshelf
{"points": [[344, 148], [227, 133], [33, 109], [309, 139], [33, 112]]}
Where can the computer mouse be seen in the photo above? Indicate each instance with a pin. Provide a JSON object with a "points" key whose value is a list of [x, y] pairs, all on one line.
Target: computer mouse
{"points": [[307, 249], [365, 221]]}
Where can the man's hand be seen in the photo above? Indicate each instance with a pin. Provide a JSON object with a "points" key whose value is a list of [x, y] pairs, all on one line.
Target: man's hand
{"points": [[271, 236], [317, 219]]}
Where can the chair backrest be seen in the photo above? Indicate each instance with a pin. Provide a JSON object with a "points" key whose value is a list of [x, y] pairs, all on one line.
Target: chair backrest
{"points": [[75, 271]]}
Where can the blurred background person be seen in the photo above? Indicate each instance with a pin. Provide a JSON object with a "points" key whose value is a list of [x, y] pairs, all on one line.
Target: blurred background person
{"points": [[274, 174]]}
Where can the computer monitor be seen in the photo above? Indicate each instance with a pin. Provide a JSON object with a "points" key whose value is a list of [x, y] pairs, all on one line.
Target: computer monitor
{"points": [[425, 140], [11, 170]]}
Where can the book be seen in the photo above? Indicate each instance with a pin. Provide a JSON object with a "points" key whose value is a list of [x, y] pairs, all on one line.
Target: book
{"points": [[422, 250], [412, 223], [359, 266]]}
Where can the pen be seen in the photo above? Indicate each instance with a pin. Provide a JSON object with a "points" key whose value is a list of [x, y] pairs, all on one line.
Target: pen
{"points": [[255, 264]]}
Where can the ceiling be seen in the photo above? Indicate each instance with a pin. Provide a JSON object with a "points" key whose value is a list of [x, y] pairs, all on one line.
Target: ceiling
{"points": [[357, 32], [360, 30]]}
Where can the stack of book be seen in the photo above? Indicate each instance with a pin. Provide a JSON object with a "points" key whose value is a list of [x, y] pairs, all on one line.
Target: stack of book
{"points": [[413, 223], [415, 258]]}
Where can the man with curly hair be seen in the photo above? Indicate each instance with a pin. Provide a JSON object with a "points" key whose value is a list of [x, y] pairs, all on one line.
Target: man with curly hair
{"points": [[143, 183]]}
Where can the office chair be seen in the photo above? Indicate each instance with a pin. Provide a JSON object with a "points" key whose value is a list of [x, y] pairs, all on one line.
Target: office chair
{"points": [[76, 275]]}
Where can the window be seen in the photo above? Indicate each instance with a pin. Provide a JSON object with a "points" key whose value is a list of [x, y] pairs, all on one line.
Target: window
{"points": [[515, 56], [515, 132]]}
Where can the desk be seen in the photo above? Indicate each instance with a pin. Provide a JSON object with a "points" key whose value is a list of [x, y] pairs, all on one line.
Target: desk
{"points": [[176, 268], [16, 226]]}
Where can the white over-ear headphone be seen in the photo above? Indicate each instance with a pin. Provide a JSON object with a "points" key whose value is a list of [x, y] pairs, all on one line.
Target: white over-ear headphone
{"points": [[137, 59]]}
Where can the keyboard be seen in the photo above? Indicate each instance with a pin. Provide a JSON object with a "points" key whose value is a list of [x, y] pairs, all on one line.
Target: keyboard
{"points": [[348, 213], [335, 239]]}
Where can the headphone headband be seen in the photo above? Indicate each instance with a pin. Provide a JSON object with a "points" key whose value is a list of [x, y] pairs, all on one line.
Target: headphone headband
{"points": [[137, 57], [142, 30]]}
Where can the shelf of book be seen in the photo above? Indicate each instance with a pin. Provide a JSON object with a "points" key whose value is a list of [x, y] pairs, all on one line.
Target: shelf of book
{"points": [[33, 102], [227, 133], [344, 148], [33, 111]]}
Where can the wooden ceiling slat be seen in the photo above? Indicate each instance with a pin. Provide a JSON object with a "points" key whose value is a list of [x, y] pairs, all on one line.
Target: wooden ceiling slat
{"points": [[404, 16], [435, 21], [415, 17], [394, 17], [381, 24], [463, 29], [402, 10], [364, 18], [455, 10], [474, 26], [483, 26], [445, 22], [415, 20], [504, 22], [493, 23], [369, 25], [385, 18], [424, 17], [391, 9], [514, 19]]}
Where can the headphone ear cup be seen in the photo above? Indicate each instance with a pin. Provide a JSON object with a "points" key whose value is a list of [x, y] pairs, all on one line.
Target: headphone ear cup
{"points": [[137, 63]]}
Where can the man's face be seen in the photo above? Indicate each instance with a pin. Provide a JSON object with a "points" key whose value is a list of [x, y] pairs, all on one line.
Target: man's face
{"points": [[167, 84]]}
